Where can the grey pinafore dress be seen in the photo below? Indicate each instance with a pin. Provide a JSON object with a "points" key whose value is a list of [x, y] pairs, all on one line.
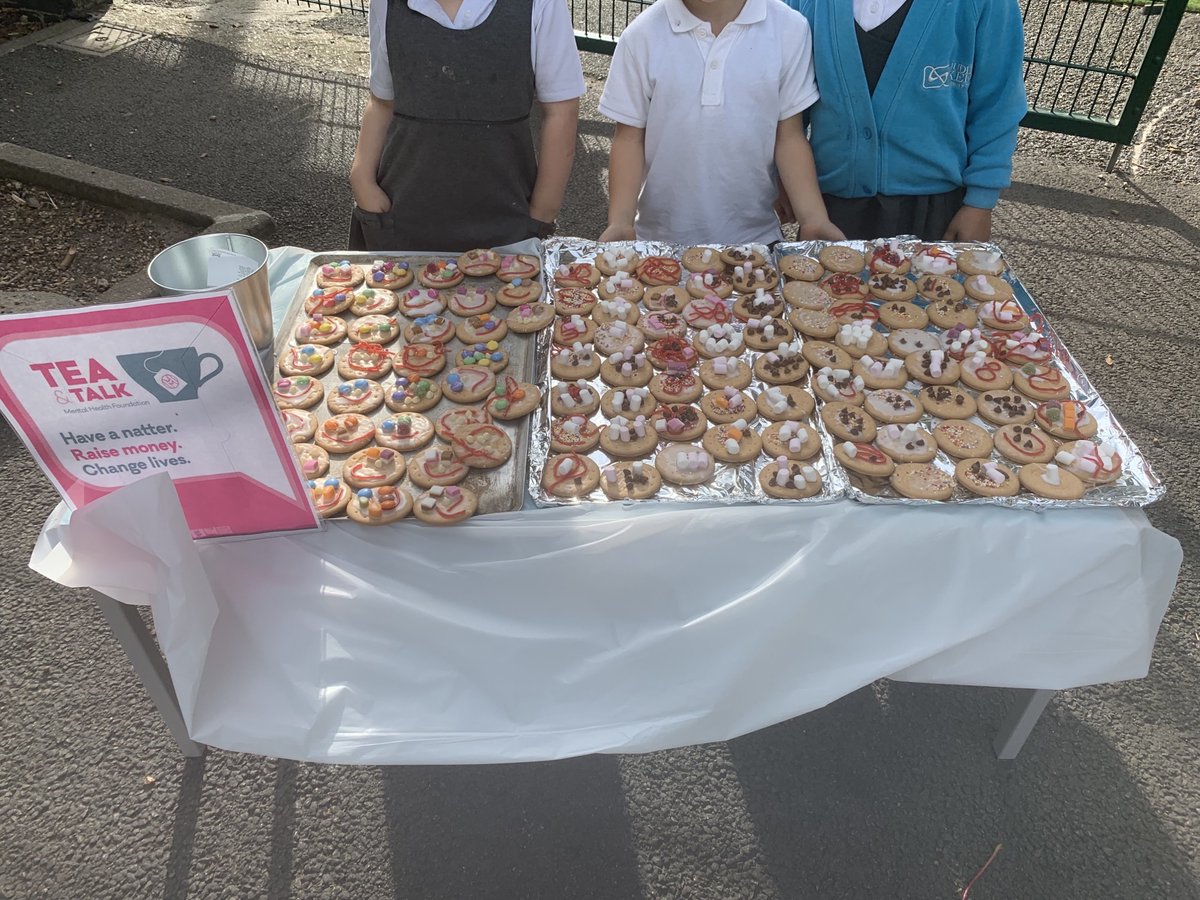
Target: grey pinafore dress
{"points": [[458, 161]]}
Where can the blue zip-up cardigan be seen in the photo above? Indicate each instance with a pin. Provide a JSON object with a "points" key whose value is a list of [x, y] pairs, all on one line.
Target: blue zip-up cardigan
{"points": [[944, 112]]}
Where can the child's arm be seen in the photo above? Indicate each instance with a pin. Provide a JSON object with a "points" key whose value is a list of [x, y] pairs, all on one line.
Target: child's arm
{"points": [[798, 175], [556, 152], [368, 195], [995, 105], [626, 166]]}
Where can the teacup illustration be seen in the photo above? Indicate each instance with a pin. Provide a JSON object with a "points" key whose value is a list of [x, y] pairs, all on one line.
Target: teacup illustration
{"points": [[170, 375]]}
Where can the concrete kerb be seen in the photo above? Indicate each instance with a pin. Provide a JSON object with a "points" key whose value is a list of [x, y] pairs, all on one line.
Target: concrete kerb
{"points": [[103, 186]]}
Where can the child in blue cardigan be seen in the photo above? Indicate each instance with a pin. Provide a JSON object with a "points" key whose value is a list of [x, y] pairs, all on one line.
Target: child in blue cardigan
{"points": [[917, 120]]}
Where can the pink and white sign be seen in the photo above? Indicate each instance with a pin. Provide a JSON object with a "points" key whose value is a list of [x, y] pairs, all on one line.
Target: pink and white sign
{"points": [[107, 395]]}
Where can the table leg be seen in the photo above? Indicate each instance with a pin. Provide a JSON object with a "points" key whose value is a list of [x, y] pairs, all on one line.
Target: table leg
{"points": [[1020, 721], [151, 668]]}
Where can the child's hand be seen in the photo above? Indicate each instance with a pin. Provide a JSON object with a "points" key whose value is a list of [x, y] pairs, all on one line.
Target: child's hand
{"points": [[970, 224], [369, 197], [821, 230], [618, 233]]}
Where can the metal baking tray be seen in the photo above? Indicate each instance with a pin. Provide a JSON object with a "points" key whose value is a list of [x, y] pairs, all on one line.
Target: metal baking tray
{"points": [[500, 489], [730, 483], [1137, 486]]}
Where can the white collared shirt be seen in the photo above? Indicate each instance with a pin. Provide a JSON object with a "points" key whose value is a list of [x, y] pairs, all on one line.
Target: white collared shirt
{"points": [[557, 72], [710, 107], [870, 14]]}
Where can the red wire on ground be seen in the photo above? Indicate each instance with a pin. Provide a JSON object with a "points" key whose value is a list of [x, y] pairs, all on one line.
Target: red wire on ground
{"points": [[971, 883]]}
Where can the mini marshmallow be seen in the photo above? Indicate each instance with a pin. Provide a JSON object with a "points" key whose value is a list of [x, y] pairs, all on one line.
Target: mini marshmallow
{"points": [[1065, 457], [610, 474], [565, 467], [637, 468], [810, 474], [850, 449], [731, 446], [993, 473], [428, 502], [1051, 475]]}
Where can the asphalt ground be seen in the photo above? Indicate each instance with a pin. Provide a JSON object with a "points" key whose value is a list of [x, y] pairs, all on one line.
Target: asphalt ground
{"points": [[891, 792]]}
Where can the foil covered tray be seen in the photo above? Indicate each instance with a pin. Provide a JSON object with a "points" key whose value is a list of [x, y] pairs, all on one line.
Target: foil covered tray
{"points": [[499, 489], [1136, 486], [730, 483]]}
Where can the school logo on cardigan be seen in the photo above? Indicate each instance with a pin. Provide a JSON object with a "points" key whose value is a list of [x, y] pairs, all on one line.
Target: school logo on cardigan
{"points": [[948, 76]]}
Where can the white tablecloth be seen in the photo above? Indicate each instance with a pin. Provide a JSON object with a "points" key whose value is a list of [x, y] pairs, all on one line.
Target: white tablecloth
{"points": [[551, 633]]}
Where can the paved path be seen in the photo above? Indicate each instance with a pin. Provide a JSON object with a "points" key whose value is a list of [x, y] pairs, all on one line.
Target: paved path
{"points": [[892, 792]]}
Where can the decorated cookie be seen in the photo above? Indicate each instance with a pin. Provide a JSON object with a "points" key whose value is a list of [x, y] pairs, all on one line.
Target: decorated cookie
{"points": [[576, 361], [615, 259], [519, 291], [627, 438], [894, 289], [628, 402], [307, 359], [947, 401], [948, 313], [574, 301], [678, 422], [863, 459], [321, 329], [374, 302], [710, 310], [987, 478], [805, 295], [468, 384], [1005, 408], [684, 464], [569, 475], [758, 305], [530, 317], [436, 465], [372, 467], [814, 323], [1020, 347], [666, 298], [440, 274], [893, 406], [615, 310], [787, 479], [571, 329], [659, 270], [418, 302], [658, 325], [795, 440], [635, 480], [374, 329], [512, 399], [299, 424], [577, 274], [801, 268], [839, 384], [481, 446], [847, 422], [734, 443], [1051, 481], [484, 327], [848, 311], [880, 373], [379, 505], [299, 392], [887, 257], [1093, 463], [821, 355], [1066, 419], [445, 505], [767, 333], [329, 496], [459, 417], [1025, 444], [981, 372], [339, 275], [713, 281], [617, 336], [329, 301], [488, 355], [412, 394], [469, 300], [676, 387], [940, 289], [574, 434], [934, 260], [404, 432], [1005, 315], [907, 341], [720, 340], [980, 262], [963, 440], [901, 314], [1041, 382], [932, 367], [362, 395], [430, 329], [906, 443], [838, 258], [780, 402], [574, 398], [626, 369], [748, 278], [522, 267], [727, 405], [672, 354], [987, 289], [313, 460], [700, 259], [783, 365], [844, 287], [345, 433], [960, 342], [739, 254], [861, 339], [620, 287], [389, 274], [922, 481], [479, 263], [721, 372], [364, 360]]}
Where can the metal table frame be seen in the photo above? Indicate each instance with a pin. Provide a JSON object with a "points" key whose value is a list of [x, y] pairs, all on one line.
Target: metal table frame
{"points": [[142, 650]]}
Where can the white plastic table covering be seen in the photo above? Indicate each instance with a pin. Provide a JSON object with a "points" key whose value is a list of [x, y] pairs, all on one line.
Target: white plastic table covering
{"points": [[552, 633]]}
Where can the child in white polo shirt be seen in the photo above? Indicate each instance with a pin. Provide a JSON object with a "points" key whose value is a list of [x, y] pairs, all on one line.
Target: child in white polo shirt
{"points": [[707, 96]]}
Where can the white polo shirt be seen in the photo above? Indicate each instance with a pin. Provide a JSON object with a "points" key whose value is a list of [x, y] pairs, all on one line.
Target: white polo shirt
{"points": [[557, 72], [710, 107]]}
